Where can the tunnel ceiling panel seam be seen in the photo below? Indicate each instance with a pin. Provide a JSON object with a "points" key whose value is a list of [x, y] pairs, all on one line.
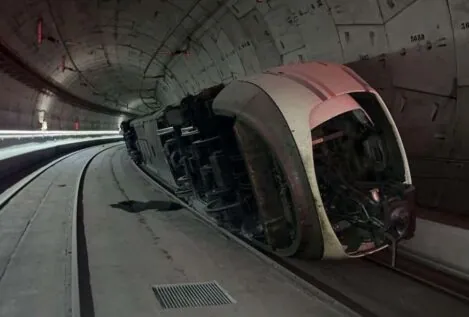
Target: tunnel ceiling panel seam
{"points": [[67, 52]]}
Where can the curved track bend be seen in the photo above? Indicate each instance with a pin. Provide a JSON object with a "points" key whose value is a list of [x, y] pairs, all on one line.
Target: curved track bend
{"points": [[131, 236]]}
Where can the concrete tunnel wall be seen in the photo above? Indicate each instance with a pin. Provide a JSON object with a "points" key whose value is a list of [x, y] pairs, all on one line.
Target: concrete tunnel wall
{"points": [[18, 111], [414, 52]]}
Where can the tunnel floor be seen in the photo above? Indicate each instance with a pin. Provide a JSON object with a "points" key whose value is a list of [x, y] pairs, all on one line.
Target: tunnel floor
{"points": [[138, 242]]}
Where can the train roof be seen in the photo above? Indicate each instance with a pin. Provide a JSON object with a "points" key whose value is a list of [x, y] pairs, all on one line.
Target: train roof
{"points": [[325, 80]]}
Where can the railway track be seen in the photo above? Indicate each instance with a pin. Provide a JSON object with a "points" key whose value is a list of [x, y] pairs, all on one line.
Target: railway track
{"points": [[32, 183], [296, 269], [406, 266], [333, 282]]}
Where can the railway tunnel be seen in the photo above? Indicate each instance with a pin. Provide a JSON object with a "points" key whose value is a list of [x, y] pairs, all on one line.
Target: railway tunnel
{"points": [[89, 65]]}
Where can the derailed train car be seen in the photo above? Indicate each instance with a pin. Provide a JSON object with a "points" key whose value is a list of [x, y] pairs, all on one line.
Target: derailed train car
{"points": [[302, 160]]}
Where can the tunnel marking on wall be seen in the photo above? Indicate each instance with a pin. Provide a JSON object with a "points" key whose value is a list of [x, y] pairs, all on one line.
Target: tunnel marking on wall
{"points": [[363, 57], [293, 18], [39, 30], [417, 37]]}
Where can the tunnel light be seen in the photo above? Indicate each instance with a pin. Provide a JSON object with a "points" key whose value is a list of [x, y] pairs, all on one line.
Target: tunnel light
{"points": [[39, 29]]}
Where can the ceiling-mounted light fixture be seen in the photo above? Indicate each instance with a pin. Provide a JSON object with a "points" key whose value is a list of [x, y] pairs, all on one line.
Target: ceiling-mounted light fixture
{"points": [[39, 30]]}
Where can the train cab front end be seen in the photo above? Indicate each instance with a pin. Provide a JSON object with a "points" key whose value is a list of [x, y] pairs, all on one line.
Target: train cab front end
{"points": [[362, 173]]}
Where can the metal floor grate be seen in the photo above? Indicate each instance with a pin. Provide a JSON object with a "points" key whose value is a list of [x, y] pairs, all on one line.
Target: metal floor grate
{"points": [[171, 296]]}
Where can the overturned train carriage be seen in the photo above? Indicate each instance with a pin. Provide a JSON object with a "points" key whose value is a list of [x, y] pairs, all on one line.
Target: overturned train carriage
{"points": [[302, 160]]}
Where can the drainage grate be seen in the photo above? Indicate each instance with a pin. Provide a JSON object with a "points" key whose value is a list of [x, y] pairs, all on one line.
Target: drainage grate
{"points": [[188, 295]]}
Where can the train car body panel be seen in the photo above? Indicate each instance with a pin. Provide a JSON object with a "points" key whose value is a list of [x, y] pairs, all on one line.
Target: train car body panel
{"points": [[149, 142], [328, 79], [296, 102], [330, 109], [397, 136], [255, 107]]}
